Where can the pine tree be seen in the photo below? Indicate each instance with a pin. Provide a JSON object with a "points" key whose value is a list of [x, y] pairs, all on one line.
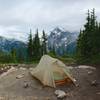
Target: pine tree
{"points": [[83, 44], [88, 44], [36, 46], [30, 46], [79, 44], [44, 43], [94, 32], [93, 20]]}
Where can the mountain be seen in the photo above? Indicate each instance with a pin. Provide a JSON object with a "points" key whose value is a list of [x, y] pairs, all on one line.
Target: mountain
{"points": [[63, 41], [8, 44]]}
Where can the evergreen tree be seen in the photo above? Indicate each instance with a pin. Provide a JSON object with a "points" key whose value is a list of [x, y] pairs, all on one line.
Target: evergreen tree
{"points": [[44, 43], [89, 39], [85, 38], [30, 46], [36, 46]]}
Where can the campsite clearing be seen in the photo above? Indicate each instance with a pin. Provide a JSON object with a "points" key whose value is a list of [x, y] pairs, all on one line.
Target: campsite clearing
{"points": [[13, 89]]}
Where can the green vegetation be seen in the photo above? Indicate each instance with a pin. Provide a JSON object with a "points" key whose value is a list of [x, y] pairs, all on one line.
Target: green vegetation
{"points": [[44, 43], [87, 51], [36, 48], [31, 54], [67, 59], [88, 44], [30, 47], [5, 57], [14, 55]]}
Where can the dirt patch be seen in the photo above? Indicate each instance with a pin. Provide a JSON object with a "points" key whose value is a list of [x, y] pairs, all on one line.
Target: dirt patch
{"points": [[13, 89]]}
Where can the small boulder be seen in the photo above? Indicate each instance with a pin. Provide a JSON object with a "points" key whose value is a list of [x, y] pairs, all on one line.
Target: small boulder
{"points": [[26, 85], [22, 68], [98, 93], [94, 83], [60, 94], [90, 72], [20, 76]]}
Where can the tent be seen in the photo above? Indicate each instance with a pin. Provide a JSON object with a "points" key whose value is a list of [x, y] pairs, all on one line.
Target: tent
{"points": [[51, 72]]}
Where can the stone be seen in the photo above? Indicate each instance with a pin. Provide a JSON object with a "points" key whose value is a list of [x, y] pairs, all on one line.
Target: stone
{"points": [[26, 85], [60, 94]]}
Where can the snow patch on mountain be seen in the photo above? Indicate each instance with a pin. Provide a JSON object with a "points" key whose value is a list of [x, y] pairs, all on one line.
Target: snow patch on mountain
{"points": [[61, 39]]}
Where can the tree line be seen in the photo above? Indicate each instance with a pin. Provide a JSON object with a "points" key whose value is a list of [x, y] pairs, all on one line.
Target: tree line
{"points": [[36, 46], [10, 57], [88, 43]]}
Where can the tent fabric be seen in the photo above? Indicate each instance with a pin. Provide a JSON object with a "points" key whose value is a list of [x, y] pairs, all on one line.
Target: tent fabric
{"points": [[50, 69]]}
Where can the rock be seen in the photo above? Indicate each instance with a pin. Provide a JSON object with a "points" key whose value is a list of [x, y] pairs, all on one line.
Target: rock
{"points": [[22, 68], [2, 68], [94, 83], [26, 85], [86, 67], [98, 93], [20, 76], [77, 85], [60, 94], [90, 72]]}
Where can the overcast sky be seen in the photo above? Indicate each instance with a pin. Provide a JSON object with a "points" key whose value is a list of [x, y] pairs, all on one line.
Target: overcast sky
{"points": [[18, 16]]}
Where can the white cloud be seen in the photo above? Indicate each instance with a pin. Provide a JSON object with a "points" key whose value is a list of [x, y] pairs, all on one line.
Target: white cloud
{"points": [[18, 16]]}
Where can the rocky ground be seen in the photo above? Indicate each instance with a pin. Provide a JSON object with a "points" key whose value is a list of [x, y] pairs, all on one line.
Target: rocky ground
{"points": [[18, 84]]}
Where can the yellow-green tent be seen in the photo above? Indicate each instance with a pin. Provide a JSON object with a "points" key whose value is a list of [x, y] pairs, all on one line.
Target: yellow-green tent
{"points": [[50, 70]]}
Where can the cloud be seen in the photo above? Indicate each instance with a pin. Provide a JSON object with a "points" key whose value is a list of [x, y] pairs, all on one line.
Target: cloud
{"points": [[18, 16]]}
